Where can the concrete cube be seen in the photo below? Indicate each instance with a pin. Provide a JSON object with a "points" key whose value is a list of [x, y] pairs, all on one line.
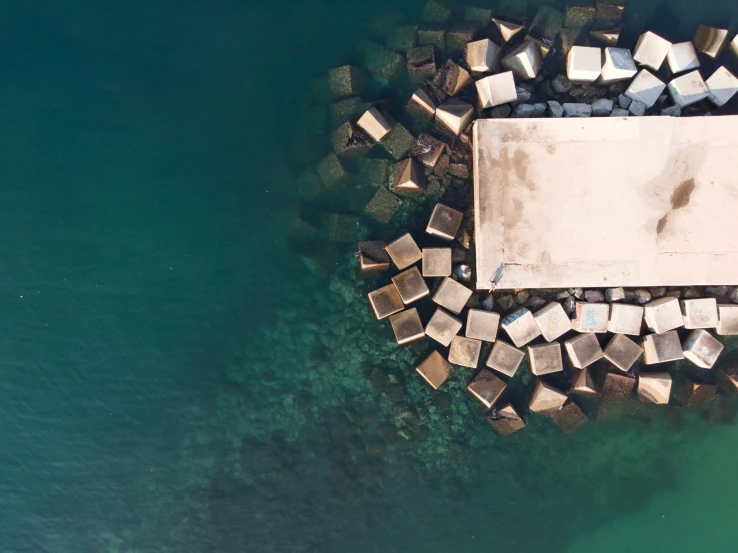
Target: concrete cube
{"points": [[386, 301], [421, 63], [682, 57], [331, 171], [617, 388], [590, 317], [721, 86], [570, 418], [521, 327], [482, 325], [553, 321], [728, 379], [487, 388], [654, 387], [444, 222], [407, 326], [609, 13], [374, 124], [505, 358], [545, 28], [710, 40], [662, 348], [507, 29], [584, 64], [452, 295], [436, 262], [545, 358], [524, 61], [404, 251], [583, 350], [410, 180], [496, 90], [696, 395], [482, 56], [688, 89], [454, 115], [442, 327], [617, 65], [344, 81], [435, 370], [383, 205], [608, 37], [701, 348], [349, 140], [663, 314], [584, 384], [734, 45], [699, 313], [464, 352], [651, 50], [398, 142], [427, 149], [622, 352], [546, 398], [506, 420], [727, 320], [373, 257], [410, 285], [451, 78], [645, 88], [625, 319], [421, 106]]}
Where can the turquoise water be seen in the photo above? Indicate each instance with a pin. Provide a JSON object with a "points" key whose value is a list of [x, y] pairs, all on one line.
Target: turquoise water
{"points": [[175, 377]]}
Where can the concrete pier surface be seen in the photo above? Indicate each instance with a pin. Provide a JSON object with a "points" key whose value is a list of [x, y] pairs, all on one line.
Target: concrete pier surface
{"points": [[602, 202]]}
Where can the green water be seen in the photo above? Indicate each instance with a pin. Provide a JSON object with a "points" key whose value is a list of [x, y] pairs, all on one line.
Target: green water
{"points": [[174, 377]]}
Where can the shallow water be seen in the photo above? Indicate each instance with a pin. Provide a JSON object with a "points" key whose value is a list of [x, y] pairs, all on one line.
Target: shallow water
{"points": [[176, 378]]}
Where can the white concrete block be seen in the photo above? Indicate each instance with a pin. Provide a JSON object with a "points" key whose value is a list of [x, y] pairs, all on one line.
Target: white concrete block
{"points": [[553, 321], [507, 29], [662, 348], [525, 60], [625, 319], [521, 327], [482, 56], [727, 320], [688, 89], [645, 88], [721, 86], [682, 57], [734, 45], [699, 313], [701, 348], [496, 90], [545, 358], [591, 317], [651, 50], [584, 64], [663, 314], [622, 352], [505, 358], [618, 65], [583, 350], [654, 387], [454, 115]]}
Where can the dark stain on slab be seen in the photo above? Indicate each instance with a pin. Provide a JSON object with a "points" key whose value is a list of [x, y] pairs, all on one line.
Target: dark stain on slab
{"points": [[682, 194]]}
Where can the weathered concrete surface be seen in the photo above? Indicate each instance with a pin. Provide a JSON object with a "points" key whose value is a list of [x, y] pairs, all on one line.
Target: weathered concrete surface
{"points": [[633, 202]]}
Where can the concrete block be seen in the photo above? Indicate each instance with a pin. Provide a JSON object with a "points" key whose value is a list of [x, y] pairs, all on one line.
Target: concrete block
{"points": [[398, 142], [545, 27], [496, 90], [728, 379], [622, 352], [583, 350], [506, 420], [383, 205], [521, 327], [701, 348], [373, 258], [625, 319], [688, 89], [402, 38], [579, 16], [442, 327], [344, 82], [710, 40], [427, 149], [645, 88], [487, 388], [590, 317], [374, 124], [452, 295], [435, 370], [482, 56], [584, 384], [386, 301], [435, 12], [553, 321], [451, 78], [584, 64], [663, 314], [662, 348], [407, 326], [577, 110], [480, 16], [385, 65], [404, 251], [505, 358], [465, 352], [421, 63], [617, 388], [651, 50], [617, 65], [570, 418], [524, 61], [699, 313], [458, 36], [350, 140], [682, 57], [433, 36], [697, 395], [727, 320], [608, 37], [410, 180], [436, 262], [546, 398], [734, 45], [330, 171], [411, 285], [608, 13], [545, 358], [721, 86], [444, 222], [421, 106], [654, 387], [482, 325], [454, 115], [507, 29]]}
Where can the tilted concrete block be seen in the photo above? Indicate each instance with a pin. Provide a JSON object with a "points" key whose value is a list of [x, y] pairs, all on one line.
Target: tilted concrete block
{"points": [[404, 251], [482, 325], [625, 319], [618, 65], [553, 321], [721, 86], [688, 89], [662, 348], [645, 88], [411, 285], [465, 352], [373, 256], [622, 352], [583, 350], [496, 90], [444, 222], [699, 313], [436, 262], [521, 327], [701, 348], [505, 358], [487, 388], [546, 398], [727, 320], [584, 64], [482, 56], [374, 124], [651, 50], [454, 115], [545, 358], [452, 295], [682, 57], [506, 420], [435, 370], [654, 387], [411, 179], [407, 326], [386, 301], [590, 317], [584, 384], [663, 314], [710, 40], [507, 29], [525, 60]]}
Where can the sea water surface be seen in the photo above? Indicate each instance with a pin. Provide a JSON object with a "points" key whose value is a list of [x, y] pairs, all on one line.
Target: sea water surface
{"points": [[179, 373]]}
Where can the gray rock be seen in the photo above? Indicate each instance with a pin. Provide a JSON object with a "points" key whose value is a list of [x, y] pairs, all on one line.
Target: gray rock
{"points": [[641, 296], [569, 305], [594, 296], [577, 293], [601, 107], [522, 297], [637, 108], [614, 294], [624, 101], [662, 99], [506, 303], [673, 111], [524, 110], [619, 112], [500, 112], [657, 291], [523, 95], [734, 295], [563, 295], [488, 303], [561, 84], [690, 293], [555, 109], [540, 109], [463, 273], [577, 110], [717, 290], [535, 303]]}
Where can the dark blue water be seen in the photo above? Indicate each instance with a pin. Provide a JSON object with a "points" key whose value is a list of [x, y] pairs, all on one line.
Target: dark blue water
{"points": [[174, 375]]}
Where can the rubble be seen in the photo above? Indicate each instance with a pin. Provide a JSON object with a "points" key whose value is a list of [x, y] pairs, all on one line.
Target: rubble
{"points": [[524, 61], [662, 348], [435, 370], [701, 348], [444, 222], [721, 86], [545, 358], [482, 56], [436, 262], [496, 90], [487, 388], [688, 89], [552, 321], [577, 110], [699, 313], [521, 327], [625, 319], [637, 108], [614, 294], [583, 350], [555, 109], [651, 50], [506, 421], [442, 327], [373, 257], [504, 358], [663, 314], [463, 273], [411, 285], [654, 387], [464, 352], [682, 57], [482, 325], [645, 88], [710, 40], [386, 301], [584, 64], [452, 295], [404, 251], [602, 107]]}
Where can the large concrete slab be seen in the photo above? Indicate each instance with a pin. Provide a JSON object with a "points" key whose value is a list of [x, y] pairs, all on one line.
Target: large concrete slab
{"points": [[606, 202]]}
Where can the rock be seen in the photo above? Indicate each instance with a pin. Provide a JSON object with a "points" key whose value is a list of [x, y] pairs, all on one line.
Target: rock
{"points": [[386, 301], [651, 50], [411, 285], [535, 302], [641, 296], [444, 222], [561, 84], [690, 293], [383, 205], [506, 421], [435, 370], [701, 348], [618, 65], [482, 56], [525, 60], [662, 348], [427, 149], [487, 388], [645, 88], [505, 358], [404, 251], [523, 95], [622, 352], [569, 305], [524, 110], [454, 115], [463, 273], [654, 387], [421, 63], [637, 108], [672, 111], [506, 303], [398, 141], [663, 314], [577, 110], [521, 327], [500, 112], [625, 319], [710, 40], [688, 89], [555, 109], [717, 290], [682, 57], [624, 101], [657, 291], [373, 257], [584, 64], [601, 107], [482, 325], [545, 358], [577, 293], [619, 112], [539, 109], [727, 320], [721, 86], [452, 295], [583, 350], [451, 78], [734, 295], [591, 317], [436, 262], [593, 296], [464, 352], [522, 297], [614, 294], [699, 313], [442, 327]]}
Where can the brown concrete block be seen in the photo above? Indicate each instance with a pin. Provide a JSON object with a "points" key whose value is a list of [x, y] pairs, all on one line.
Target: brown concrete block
{"points": [[728, 379], [407, 326], [524, 61], [654, 387], [662, 348], [427, 150], [383, 205], [373, 257], [374, 124], [331, 171], [482, 56], [699, 313], [465, 352], [625, 319], [452, 295], [545, 358], [505, 358], [398, 142], [435, 369], [591, 317], [451, 78], [454, 116], [410, 285], [482, 325], [444, 222], [622, 352], [701, 349], [344, 81], [727, 320], [546, 398], [506, 420], [507, 29], [584, 384], [436, 262], [521, 327], [710, 40], [404, 251], [386, 301], [442, 327], [421, 63], [617, 388], [410, 180], [583, 350], [697, 395], [570, 418], [553, 321], [663, 314], [487, 388]]}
